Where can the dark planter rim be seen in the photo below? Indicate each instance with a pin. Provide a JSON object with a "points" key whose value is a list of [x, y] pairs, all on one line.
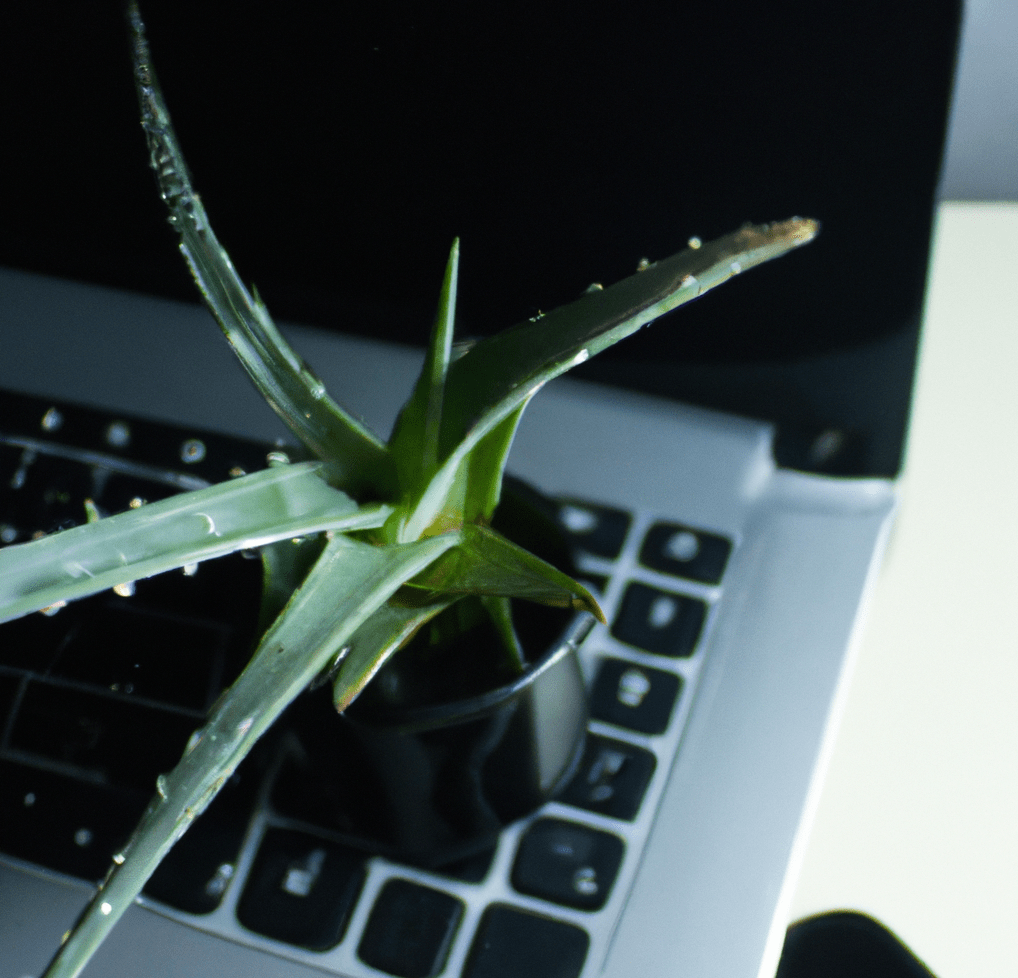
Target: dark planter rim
{"points": [[420, 718]]}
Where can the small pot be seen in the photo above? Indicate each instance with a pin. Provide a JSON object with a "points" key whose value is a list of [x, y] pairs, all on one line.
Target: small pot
{"points": [[453, 775], [444, 748]]}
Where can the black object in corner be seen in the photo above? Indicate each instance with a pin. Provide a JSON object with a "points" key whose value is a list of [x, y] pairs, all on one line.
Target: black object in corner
{"points": [[846, 944]]}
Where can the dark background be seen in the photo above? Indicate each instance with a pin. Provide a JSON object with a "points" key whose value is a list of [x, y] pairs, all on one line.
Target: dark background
{"points": [[340, 148]]}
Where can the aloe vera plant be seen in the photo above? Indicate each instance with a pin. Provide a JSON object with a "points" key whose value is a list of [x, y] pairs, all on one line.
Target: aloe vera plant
{"points": [[405, 522]]}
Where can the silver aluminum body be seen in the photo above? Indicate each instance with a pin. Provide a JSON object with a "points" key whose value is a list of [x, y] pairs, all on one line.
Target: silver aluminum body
{"points": [[710, 860]]}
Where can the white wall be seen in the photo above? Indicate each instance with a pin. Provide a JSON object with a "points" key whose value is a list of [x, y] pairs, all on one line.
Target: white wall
{"points": [[982, 147]]}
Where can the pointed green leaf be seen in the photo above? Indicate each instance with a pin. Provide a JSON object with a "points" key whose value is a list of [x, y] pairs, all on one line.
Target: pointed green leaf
{"points": [[347, 585], [500, 612], [471, 491], [294, 392], [414, 442], [377, 639], [498, 374], [468, 492], [477, 482], [496, 377], [250, 511], [485, 562], [285, 566]]}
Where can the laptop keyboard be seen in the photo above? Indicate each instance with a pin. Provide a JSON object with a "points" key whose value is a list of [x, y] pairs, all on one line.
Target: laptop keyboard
{"points": [[99, 697]]}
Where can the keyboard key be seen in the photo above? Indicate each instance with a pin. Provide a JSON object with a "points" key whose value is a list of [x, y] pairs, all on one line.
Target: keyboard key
{"points": [[32, 643], [410, 930], [46, 493], [302, 890], [611, 779], [567, 863], [513, 943], [137, 651], [223, 595], [111, 740], [599, 530], [633, 696], [9, 687], [659, 621], [685, 552], [67, 825], [10, 462]]}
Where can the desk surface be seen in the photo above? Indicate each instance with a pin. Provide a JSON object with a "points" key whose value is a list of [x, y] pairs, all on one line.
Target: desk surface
{"points": [[917, 821]]}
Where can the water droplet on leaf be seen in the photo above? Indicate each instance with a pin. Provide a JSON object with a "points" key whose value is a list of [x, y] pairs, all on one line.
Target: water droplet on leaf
{"points": [[118, 434], [52, 420], [193, 450]]}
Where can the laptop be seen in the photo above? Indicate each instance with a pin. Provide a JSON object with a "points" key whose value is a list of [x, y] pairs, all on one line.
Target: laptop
{"points": [[727, 476]]}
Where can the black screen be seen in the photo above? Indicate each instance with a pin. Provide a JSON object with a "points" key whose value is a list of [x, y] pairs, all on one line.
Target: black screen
{"points": [[340, 148]]}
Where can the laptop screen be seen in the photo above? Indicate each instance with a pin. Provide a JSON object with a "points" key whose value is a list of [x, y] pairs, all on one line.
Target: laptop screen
{"points": [[339, 152]]}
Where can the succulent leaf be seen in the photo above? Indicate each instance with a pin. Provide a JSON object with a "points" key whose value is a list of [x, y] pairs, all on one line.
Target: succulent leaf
{"points": [[348, 584], [499, 610], [285, 566], [488, 387], [292, 390], [414, 441], [500, 373], [467, 492], [247, 512], [486, 563], [371, 646]]}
